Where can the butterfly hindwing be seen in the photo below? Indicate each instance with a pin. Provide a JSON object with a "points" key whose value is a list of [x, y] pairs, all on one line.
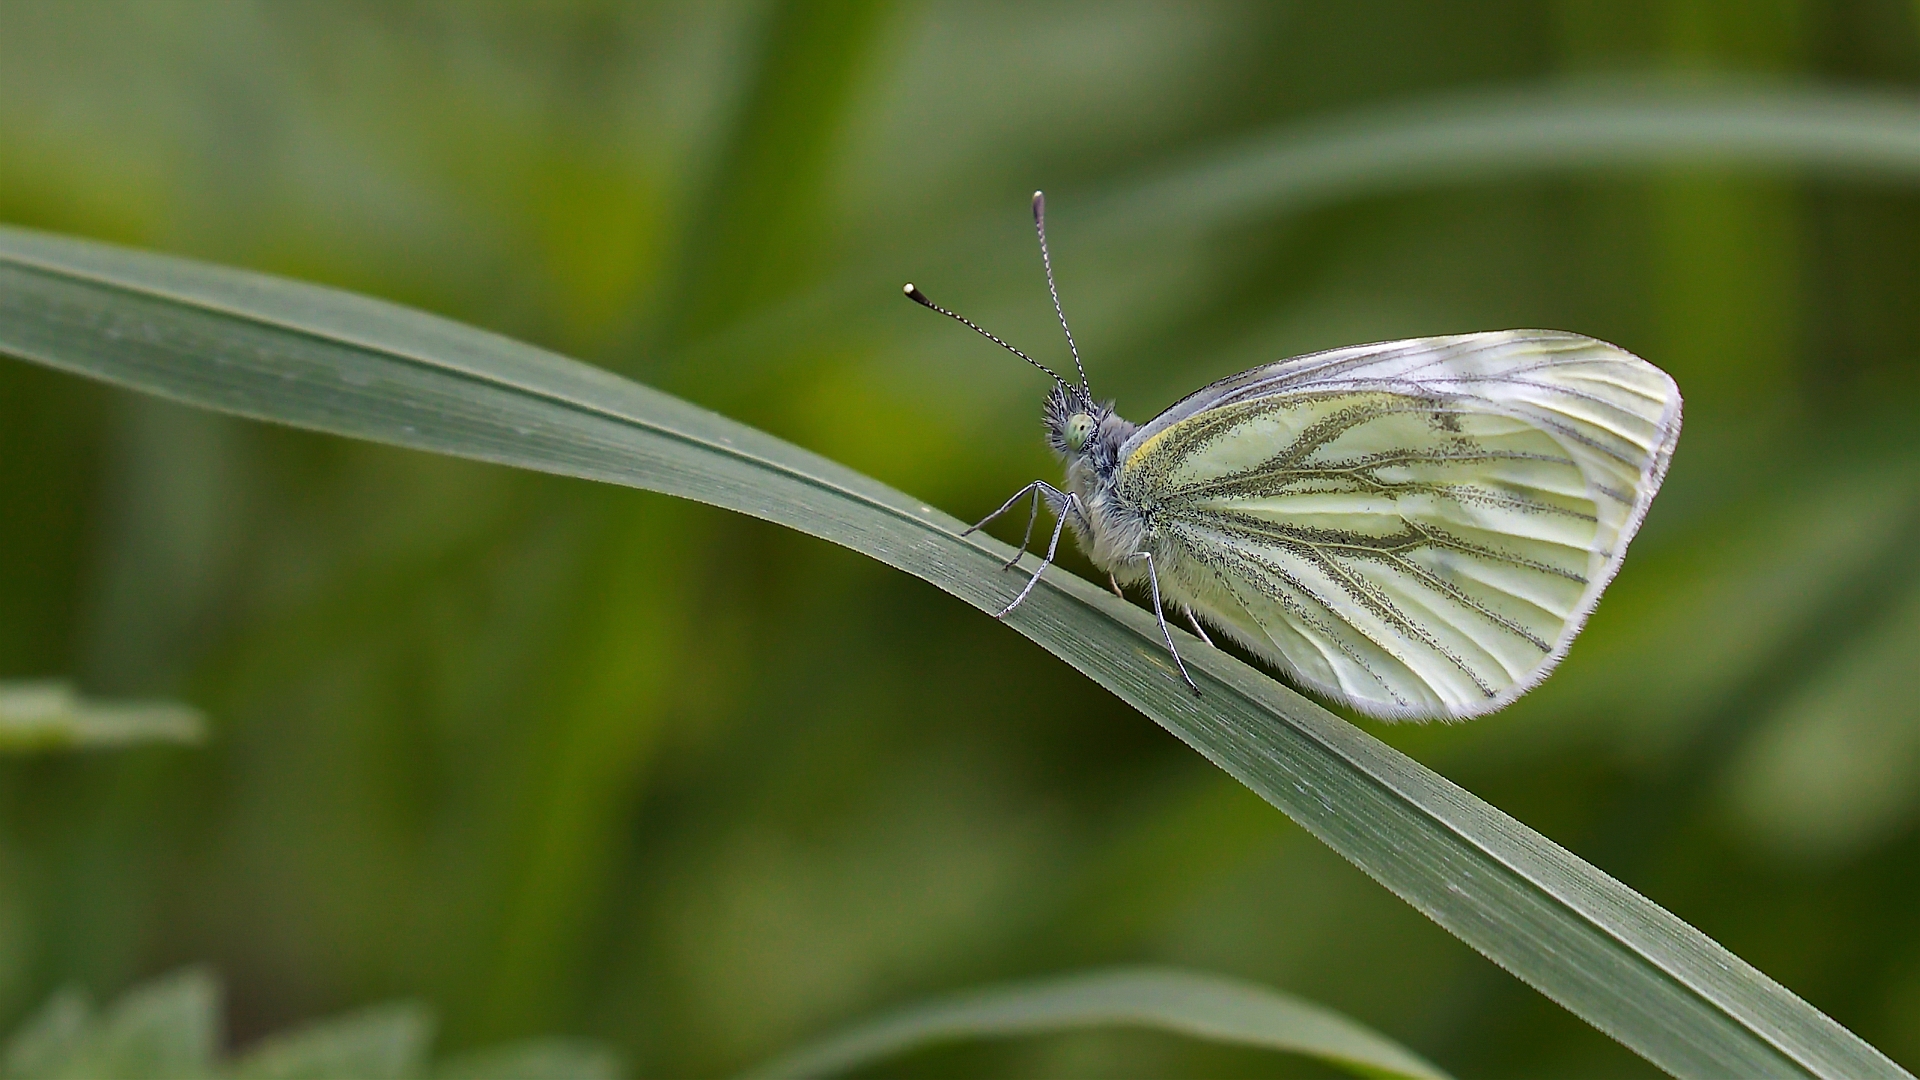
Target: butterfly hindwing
{"points": [[1417, 528]]}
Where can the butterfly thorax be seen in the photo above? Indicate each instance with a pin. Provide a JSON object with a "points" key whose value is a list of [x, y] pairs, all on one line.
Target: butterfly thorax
{"points": [[1088, 437]]}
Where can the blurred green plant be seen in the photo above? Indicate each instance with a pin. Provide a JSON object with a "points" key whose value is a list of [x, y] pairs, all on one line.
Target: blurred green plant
{"points": [[1193, 1004], [558, 756], [50, 716], [296, 354], [170, 1029]]}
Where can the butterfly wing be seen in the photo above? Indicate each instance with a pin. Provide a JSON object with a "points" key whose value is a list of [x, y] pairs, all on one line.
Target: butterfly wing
{"points": [[1416, 528]]}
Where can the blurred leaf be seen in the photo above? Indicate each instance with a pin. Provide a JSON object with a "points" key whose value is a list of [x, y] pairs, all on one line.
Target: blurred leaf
{"points": [[48, 1037], [384, 1042], [49, 716], [1595, 125], [166, 1029], [316, 358], [1599, 125], [1203, 1006], [750, 239], [535, 1059], [170, 1028], [611, 670]]}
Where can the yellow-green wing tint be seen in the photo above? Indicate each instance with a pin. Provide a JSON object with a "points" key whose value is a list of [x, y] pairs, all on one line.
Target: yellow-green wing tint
{"points": [[1416, 528]]}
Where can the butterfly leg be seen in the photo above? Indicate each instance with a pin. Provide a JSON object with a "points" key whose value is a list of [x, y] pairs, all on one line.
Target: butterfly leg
{"points": [[1194, 621], [1071, 505], [1033, 514], [1153, 579], [1114, 584]]}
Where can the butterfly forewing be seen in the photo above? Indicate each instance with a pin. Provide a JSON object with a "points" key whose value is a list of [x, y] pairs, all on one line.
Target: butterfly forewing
{"points": [[1417, 528]]}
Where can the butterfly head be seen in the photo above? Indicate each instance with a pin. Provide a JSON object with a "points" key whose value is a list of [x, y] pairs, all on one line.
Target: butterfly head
{"points": [[1073, 419], [1082, 429]]}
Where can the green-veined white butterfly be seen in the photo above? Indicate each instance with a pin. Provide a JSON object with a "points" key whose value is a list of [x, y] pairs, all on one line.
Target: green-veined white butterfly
{"points": [[1415, 528]]}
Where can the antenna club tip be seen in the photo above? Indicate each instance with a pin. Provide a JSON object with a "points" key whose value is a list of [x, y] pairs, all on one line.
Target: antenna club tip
{"points": [[1039, 205], [914, 294]]}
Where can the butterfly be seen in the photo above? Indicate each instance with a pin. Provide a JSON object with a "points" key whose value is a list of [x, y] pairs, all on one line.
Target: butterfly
{"points": [[1416, 529]]}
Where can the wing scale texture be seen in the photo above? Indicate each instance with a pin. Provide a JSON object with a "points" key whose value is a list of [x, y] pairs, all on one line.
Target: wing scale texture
{"points": [[1417, 528]]}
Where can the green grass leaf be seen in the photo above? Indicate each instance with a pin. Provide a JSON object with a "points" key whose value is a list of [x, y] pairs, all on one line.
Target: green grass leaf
{"points": [[50, 716], [329, 361], [1190, 1003], [1601, 125]]}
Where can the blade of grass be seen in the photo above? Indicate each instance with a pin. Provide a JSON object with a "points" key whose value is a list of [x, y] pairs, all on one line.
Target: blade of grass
{"points": [[1601, 125], [1190, 1003], [751, 238], [330, 361]]}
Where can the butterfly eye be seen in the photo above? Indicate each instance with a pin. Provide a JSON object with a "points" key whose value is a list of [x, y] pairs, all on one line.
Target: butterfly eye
{"points": [[1078, 430]]}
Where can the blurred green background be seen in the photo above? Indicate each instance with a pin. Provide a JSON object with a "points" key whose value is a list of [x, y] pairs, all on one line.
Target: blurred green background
{"points": [[559, 758]]}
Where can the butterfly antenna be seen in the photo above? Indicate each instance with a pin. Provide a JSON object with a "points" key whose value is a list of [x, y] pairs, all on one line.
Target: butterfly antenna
{"points": [[1046, 260], [918, 297]]}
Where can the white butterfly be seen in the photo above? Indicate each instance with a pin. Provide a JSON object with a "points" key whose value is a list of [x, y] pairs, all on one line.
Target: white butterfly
{"points": [[1414, 528]]}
